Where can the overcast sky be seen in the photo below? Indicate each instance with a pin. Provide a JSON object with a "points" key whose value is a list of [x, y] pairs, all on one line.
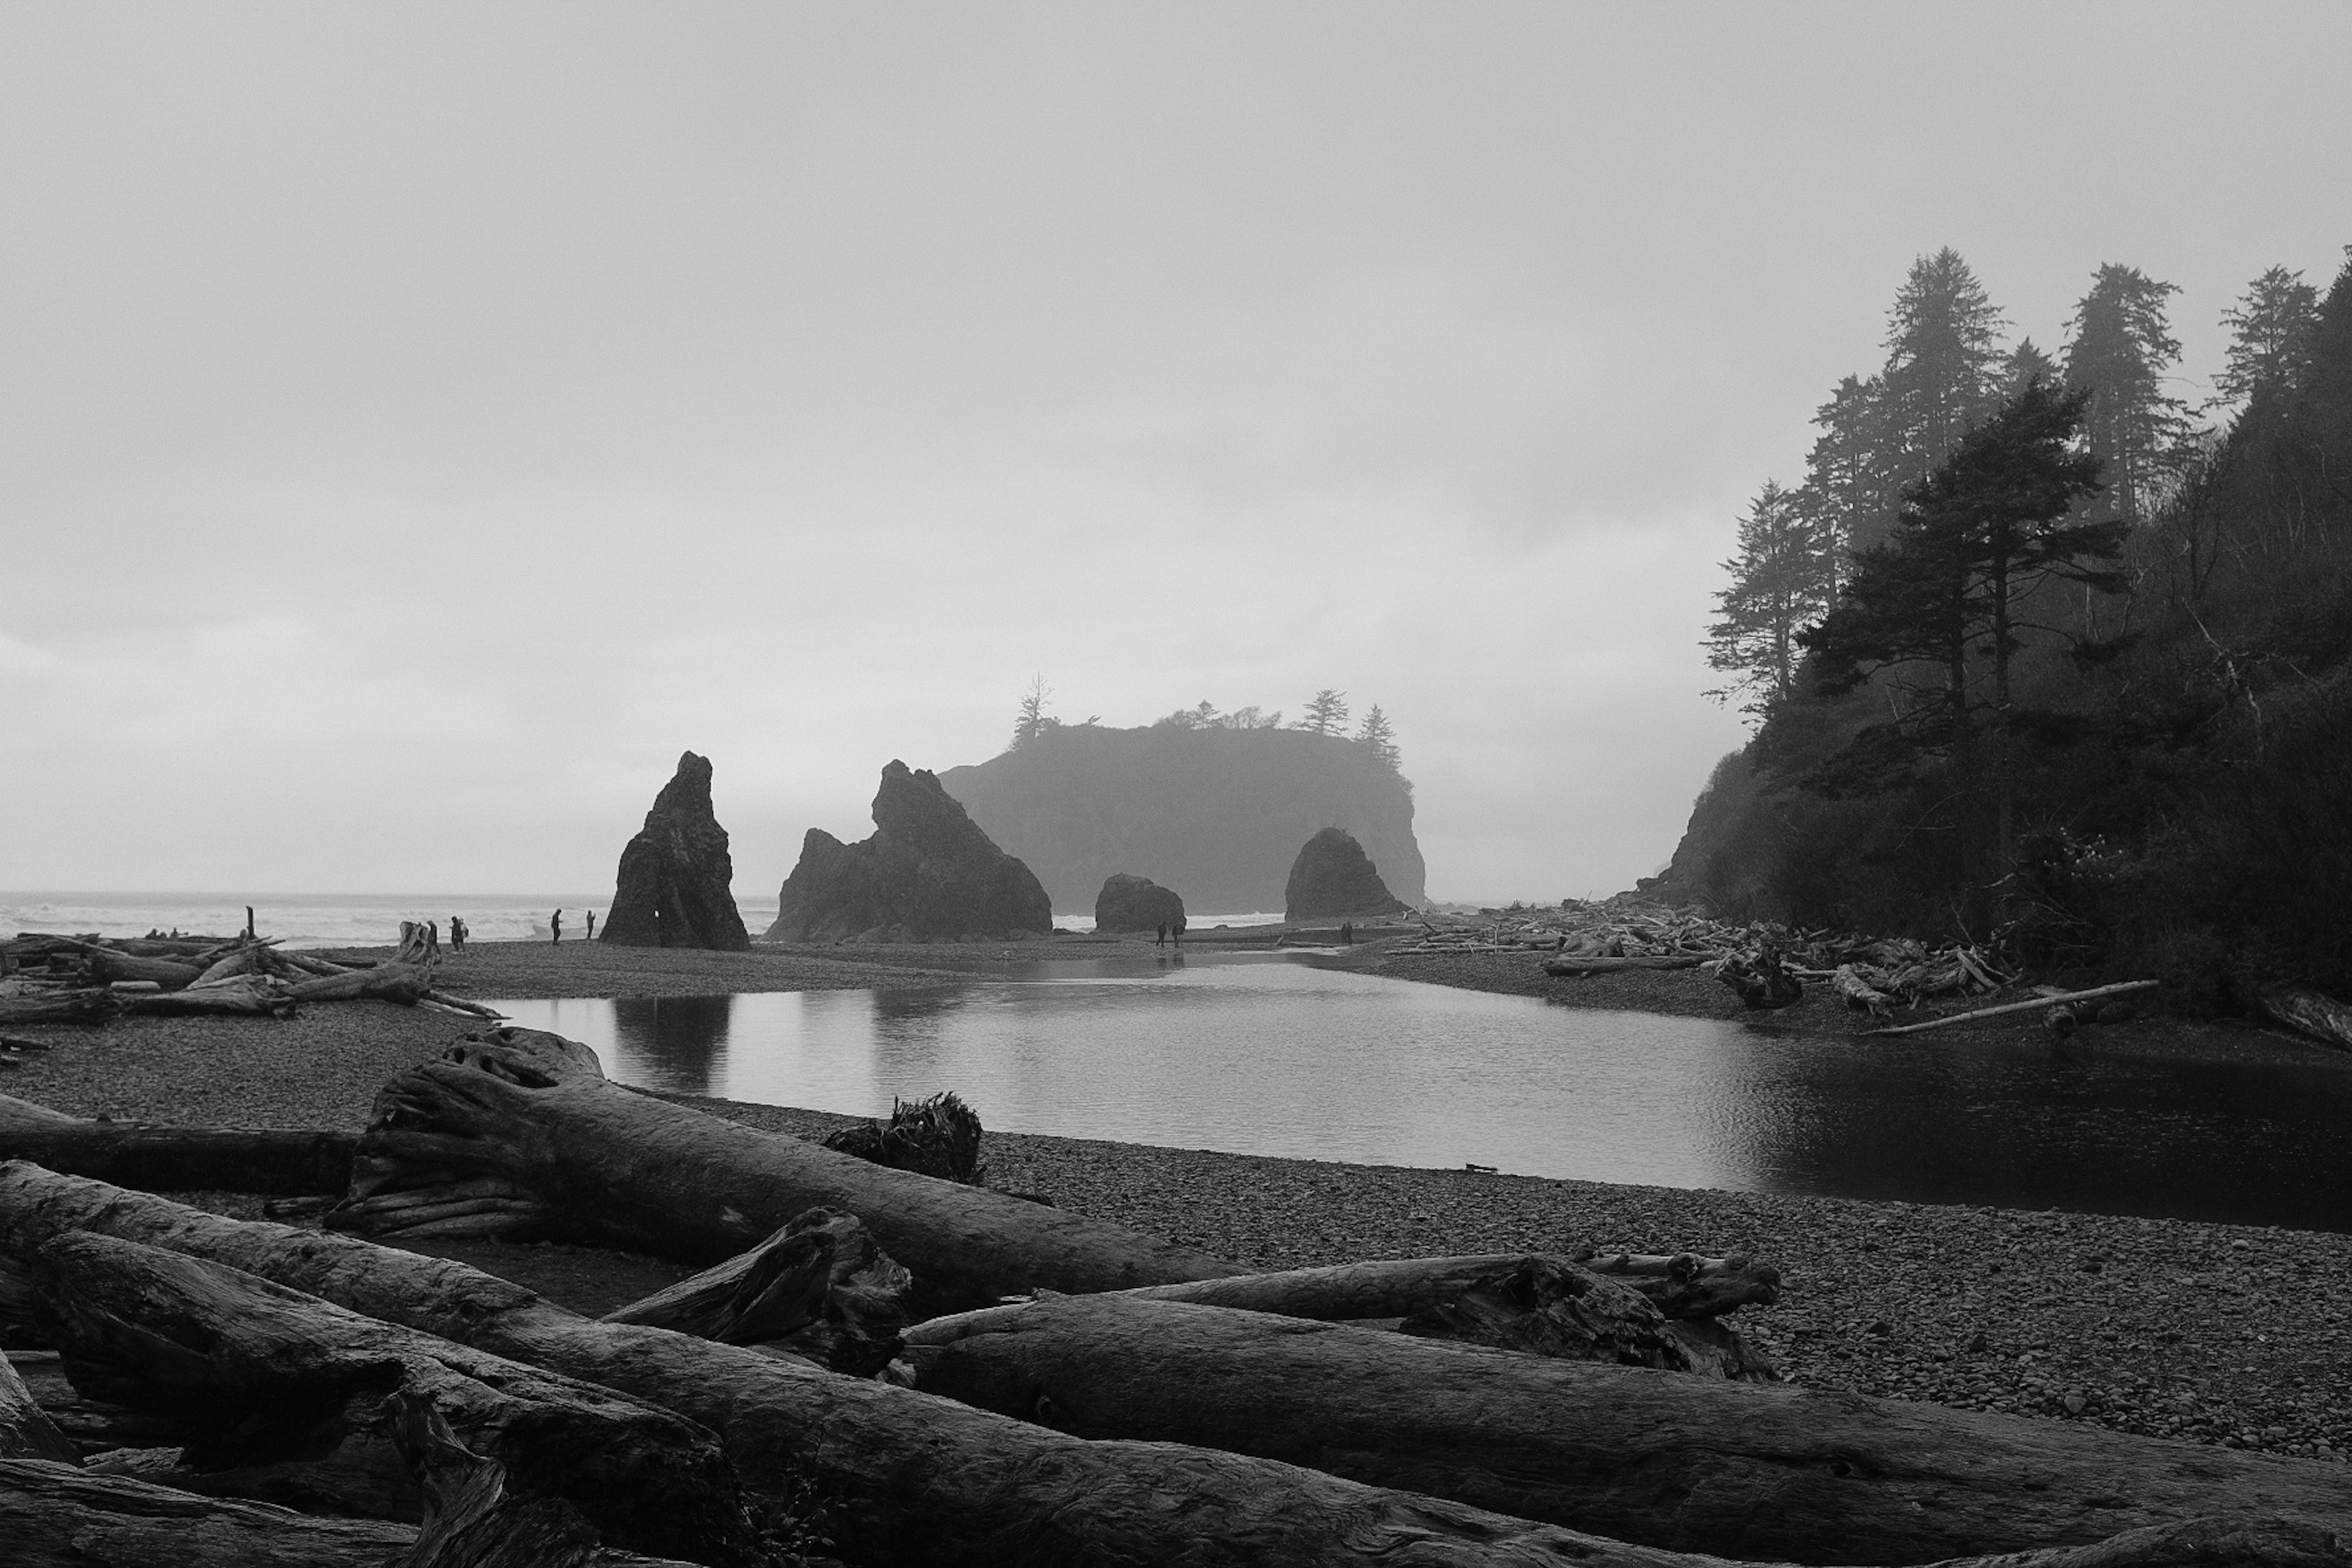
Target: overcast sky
{"points": [[420, 422]]}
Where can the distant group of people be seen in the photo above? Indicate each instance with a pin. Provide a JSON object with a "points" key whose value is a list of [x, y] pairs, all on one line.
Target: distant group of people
{"points": [[1169, 928], [555, 926]]}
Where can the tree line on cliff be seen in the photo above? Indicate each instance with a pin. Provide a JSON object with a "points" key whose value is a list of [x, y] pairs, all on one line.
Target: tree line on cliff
{"points": [[1325, 713], [2039, 649]]}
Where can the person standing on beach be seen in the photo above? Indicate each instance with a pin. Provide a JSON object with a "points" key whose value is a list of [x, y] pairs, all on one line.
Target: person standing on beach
{"points": [[592, 927], [1161, 940], [457, 935], [555, 926], [1176, 930]]}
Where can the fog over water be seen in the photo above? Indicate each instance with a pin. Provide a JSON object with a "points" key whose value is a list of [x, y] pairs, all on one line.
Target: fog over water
{"points": [[420, 422]]}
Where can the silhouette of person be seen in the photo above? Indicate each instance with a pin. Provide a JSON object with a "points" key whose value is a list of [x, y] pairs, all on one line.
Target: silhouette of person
{"points": [[1347, 933], [1161, 940], [457, 935], [592, 926], [1176, 930], [555, 926]]}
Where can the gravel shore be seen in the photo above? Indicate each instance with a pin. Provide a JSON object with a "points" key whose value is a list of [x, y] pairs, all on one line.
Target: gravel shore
{"points": [[2216, 1333]]}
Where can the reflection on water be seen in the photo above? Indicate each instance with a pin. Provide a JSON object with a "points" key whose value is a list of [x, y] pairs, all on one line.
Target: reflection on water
{"points": [[1266, 1055]]}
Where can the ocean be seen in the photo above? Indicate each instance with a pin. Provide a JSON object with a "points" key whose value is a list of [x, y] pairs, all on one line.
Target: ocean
{"points": [[367, 919]]}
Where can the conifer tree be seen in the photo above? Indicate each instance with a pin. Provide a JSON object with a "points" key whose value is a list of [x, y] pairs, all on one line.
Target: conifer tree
{"points": [[1941, 608], [2270, 346], [1943, 360], [1032, 722], [2120, 350], [1850, 488], [1327, 713], [1781, 581], [1378, 734]]}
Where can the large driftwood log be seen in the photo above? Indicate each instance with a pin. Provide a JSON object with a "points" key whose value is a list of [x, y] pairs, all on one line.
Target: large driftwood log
{"points": [[517, 1133], [251, 1370], [1687, 1287], [1547, 1306], [2123, 989], [247, 996], [2311, 1014], [56, 1516], [400, 983], [918, 1479], [1590, 964], [106, 966], [95, 1005], [25, 1430], [1694, 1463], [177, 1159]]}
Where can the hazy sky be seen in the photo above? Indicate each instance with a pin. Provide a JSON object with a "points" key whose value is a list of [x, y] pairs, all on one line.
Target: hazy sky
{"points": [[420, 422]]}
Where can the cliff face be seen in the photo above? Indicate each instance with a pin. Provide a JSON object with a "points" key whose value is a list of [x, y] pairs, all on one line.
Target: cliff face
{"points": [[1217, 815], [928, 874]]}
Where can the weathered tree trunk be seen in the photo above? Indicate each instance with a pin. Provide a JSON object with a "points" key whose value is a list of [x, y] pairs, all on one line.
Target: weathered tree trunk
{"points": [[25, 1430], [1692, 1463], [395, 982], [106, 966], [1687, 1287], [2311, 1014], [1860, 995], [252, 996], [177, 1159], [918, 1480], [246, 1368], [819, 1287], [1594, 963], [93, 1006], [56, 1516], [510, 1135], [1544, 1306]]}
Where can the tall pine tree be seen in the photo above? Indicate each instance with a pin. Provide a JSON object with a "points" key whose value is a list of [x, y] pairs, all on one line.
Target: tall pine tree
{"points": [[2270, 344], [2120, 351], [1781, 580], [1943, 360]]}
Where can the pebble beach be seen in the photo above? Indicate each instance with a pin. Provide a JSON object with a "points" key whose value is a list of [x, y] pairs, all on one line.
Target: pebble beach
{"points": [[2235, 1335]]}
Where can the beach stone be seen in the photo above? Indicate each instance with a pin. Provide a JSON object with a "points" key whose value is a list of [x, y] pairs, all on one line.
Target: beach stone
{"points": [[1135, 904], [675, 887], [928, 874], [1334, 876]]}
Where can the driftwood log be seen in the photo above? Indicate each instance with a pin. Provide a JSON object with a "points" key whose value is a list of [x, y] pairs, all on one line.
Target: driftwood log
{"points": [[1599, 964], [245, 995], [1686, 1286], [819, 1288], [177, 1159], [1546, 1306], [94, 1005], [918, 1479], [517, 1133], [250, 1371], [25, 1430], [1692, 1463], [2311, 1014], [56, 1516], [2059, 999]]}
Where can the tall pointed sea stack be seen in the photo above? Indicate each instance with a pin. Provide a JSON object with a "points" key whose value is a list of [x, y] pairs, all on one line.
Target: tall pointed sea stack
{"points": [[928, 874], [674, 889], [1333, 875]]}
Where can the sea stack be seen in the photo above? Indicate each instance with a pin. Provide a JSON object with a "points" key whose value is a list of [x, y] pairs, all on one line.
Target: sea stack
{"points": [[1135, 904], [928, 874], [675, 887], [1334, 876]]}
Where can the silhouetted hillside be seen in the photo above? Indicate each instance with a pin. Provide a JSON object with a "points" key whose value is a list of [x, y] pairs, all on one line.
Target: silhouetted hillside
{"points": [[1216, 814]]}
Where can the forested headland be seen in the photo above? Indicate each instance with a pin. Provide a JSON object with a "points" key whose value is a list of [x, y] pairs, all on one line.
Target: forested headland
{"points": [[2040, 651]]}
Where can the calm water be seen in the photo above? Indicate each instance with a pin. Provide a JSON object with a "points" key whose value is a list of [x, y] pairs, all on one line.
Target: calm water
{"points": [[1270, 1055]]}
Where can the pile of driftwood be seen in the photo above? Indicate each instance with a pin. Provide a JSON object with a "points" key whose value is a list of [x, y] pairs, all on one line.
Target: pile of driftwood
{"points": [[925, 1372], [88, 980]]}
